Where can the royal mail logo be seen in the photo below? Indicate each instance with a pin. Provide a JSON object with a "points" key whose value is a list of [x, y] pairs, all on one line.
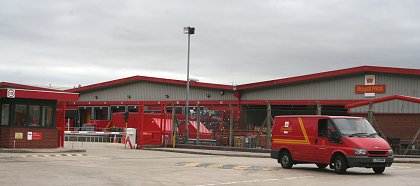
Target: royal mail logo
{"points": [[361, 89], [11, 93], [370, 80]]}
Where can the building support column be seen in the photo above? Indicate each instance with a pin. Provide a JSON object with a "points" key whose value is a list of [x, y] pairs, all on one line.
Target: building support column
{"points": [[197, 119], [230, 125], [318, 108]]}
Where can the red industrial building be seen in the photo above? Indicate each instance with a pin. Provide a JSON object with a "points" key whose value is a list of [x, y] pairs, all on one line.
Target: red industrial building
{"points": [[32, 117], [338, 92], [389, 95]]}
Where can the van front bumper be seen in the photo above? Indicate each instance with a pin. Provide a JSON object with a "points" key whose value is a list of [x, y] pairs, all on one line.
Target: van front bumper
{"points": [[366, 161]]}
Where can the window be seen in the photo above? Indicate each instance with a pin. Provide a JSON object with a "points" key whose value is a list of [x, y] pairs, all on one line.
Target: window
{"points": [[34, 115], [20, 115], [325, 128], [322, 128], [47, 116], [117, 109], [100, 113], [133, 109], [5, 109]]}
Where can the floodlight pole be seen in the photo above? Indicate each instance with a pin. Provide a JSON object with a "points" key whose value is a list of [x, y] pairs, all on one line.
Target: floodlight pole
{"points": [[188, 31]]}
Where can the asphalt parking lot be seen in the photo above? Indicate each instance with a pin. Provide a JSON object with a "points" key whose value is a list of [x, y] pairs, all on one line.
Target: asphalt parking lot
{"points": [[111, 164]]}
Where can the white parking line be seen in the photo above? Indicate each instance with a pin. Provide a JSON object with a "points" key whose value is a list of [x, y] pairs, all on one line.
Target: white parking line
{"points": [[251, 181], [407, 170]]}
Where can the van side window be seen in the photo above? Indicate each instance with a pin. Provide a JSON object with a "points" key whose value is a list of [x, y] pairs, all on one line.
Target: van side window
{"points": [[322, 128]]}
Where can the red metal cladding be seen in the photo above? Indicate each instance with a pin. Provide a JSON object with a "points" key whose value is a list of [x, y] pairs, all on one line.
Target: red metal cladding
{"points": [[39, 94], [328, 74], [21, 86], [383, 99], [152, 79], [60, 121]]}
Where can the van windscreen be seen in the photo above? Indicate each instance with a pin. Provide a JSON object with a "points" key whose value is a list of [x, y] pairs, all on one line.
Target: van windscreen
{"points": [[355, 127]]}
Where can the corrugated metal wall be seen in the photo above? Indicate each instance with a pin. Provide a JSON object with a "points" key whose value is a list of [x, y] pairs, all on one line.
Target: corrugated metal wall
{"points": [[338, 88], [393, 106], [151, 91]]}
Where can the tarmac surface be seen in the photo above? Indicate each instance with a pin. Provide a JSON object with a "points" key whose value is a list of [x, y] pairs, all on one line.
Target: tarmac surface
{"points": [[191, 149], [397, 158], [112, 164]]}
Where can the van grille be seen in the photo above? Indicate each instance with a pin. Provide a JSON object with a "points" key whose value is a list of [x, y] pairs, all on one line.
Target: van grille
{"points": [[377, 152]]}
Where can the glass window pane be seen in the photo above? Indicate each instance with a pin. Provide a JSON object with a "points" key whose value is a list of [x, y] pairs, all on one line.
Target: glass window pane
{"points": [[47, 116], [133, 109], [20, 115], [34, 114], [5, 114], [101, 113]]}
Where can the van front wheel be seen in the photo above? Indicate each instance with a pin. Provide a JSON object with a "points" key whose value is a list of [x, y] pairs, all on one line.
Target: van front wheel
{"points": [[286, 160], [378, 170], [340, 164]]}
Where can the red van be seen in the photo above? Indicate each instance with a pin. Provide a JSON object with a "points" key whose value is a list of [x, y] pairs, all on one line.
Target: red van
{"points": [[338, 141]]}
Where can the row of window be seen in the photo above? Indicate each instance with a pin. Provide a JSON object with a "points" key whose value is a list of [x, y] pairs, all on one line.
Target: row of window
{"points": [[27, 115]]}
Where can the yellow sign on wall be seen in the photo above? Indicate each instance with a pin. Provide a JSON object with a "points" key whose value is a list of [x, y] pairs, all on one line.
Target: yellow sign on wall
{"points": [[18, 135]]}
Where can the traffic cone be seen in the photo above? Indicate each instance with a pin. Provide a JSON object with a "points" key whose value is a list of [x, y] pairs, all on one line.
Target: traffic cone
{"points": [[115, 138]]}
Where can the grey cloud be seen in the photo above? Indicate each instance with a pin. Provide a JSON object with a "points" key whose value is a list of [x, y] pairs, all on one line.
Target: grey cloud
{"points": [[83, 42]]}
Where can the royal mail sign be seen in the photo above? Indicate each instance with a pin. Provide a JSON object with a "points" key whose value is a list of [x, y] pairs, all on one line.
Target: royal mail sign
{"points": [[362, 89]]}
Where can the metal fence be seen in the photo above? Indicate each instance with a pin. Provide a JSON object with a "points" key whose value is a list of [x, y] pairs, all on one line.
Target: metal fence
{"points": [[109, 138]]}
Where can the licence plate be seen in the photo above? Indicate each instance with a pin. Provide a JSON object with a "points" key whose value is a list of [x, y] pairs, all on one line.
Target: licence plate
{"points": [[379, 160]]}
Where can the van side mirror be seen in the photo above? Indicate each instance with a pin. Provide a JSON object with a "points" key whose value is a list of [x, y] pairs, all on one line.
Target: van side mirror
{"points": [[335, 138]]}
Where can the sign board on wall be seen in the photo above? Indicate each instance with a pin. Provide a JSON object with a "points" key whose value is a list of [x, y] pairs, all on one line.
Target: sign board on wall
{"points": [[37, 136], [370, 88], [34, 136], [18, 135], [29, 136], [370, 80], [363, 89], [11, 93]]}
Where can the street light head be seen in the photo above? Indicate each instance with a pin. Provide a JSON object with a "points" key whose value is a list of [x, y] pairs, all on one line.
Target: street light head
{"points": [[189, 30], [194, 79]]}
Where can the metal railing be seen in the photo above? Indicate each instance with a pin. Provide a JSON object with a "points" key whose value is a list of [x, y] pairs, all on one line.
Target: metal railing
{"points": [[406, 147], [107, 138]]}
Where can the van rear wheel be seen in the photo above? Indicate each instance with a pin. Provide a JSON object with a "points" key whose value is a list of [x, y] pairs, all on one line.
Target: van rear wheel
{"points": [[321, 165], [378, 170], [285, 160], [340, 164]]}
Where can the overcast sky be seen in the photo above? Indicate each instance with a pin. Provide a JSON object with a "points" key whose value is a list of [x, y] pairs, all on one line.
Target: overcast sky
{"points": [[66, 43]]}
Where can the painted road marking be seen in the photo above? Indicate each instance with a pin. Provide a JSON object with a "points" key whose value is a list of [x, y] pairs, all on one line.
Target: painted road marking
{"points": [[253, 181], [227, 166], [259, 168], [50, 155]]}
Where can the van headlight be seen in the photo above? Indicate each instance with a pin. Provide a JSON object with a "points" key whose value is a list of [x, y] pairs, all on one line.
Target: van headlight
{"points": [[360, 151], [390, 152]]}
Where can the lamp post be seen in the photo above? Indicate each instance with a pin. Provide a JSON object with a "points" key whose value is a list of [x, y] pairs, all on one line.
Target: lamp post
{"points": [[188, 31]]}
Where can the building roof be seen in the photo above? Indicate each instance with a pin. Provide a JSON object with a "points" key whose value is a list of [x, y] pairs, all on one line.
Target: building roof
{"points": [[151, 79], [347, 71], [22, 86], [322, 75], [384, 99], [38, 94]]}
